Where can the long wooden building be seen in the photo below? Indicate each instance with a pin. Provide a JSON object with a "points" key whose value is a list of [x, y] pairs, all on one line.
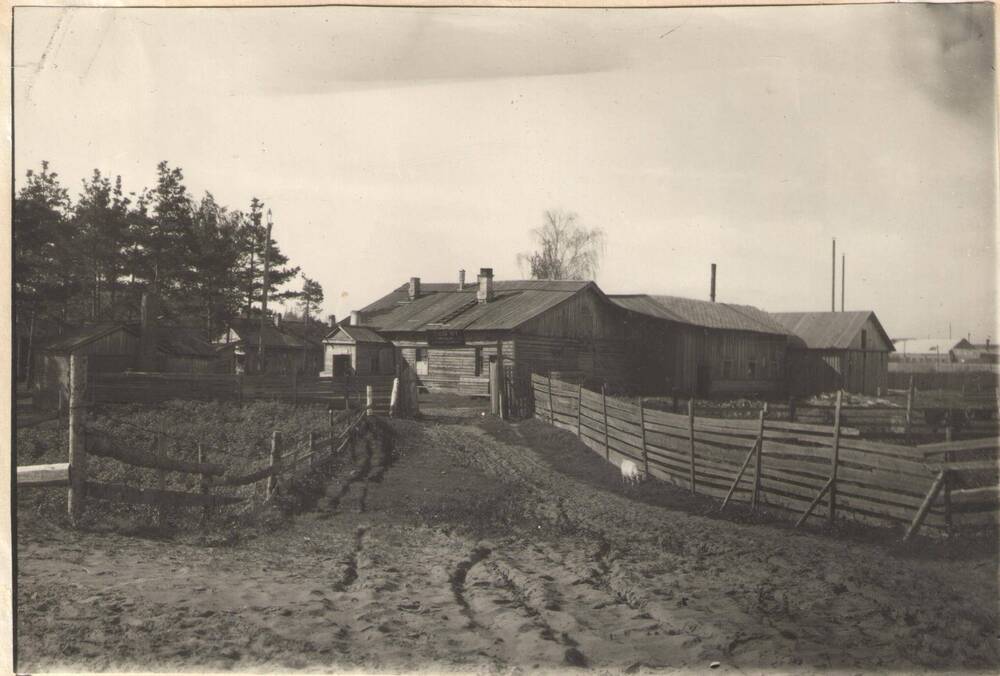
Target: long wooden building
{"points": [[683, 345], [448, 333]]}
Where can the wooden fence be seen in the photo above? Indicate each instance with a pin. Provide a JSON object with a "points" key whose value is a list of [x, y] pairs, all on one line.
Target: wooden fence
{"points": [[87, 441], [793, 466], [909, 422], [135, 387]]}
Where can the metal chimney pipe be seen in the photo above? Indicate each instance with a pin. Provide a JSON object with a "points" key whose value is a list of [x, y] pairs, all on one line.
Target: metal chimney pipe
{"points": [[712, 292]]}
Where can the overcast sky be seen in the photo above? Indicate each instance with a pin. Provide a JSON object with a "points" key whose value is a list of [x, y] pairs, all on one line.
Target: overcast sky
{"points": [[413, 142]]}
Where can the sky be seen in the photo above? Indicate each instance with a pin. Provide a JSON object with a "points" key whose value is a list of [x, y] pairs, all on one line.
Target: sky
{"points": [[401, 142]]}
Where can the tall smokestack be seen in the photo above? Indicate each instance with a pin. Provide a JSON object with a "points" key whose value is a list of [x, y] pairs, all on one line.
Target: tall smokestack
{"points": [[712, 292], [843, 276], [833, 282]]}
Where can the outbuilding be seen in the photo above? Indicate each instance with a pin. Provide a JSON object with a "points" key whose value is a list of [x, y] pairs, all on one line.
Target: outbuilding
{"points": [[357, 350], [836, 350], [689, 346]]}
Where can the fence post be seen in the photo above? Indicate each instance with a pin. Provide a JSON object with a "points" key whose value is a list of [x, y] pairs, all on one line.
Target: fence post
{"points": [[239, 391], [203, 457], [552, 410], [642, 429], [909, 409], [691, 441], [272, 481], [161, 484], [347, 393], [949, 457], [394, 398], [755, 499], [369, 399], [835, 461], [604, 401], [295, 385], [312, 449], [77, 452], [579, 409]]}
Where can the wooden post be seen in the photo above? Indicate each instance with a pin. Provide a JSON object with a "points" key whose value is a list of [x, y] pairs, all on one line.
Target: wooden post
{"points": [[394, 398], [691, 443], [949, 457], [272, 481], [552, 410], [642, 430], [347, 393], [579, 409], [161, 484], [205, 485], [925, 506], [312, 449], [791, 409], [369, 399], [604, 401], [330, 412], [909, 409], [755, 499], [295, 385], [77, 421], [834, 461], [501, 384]]}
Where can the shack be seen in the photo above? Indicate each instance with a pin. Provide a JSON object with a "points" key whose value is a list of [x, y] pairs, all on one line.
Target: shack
{"points": [[239, 344], [836, 350], [357, 350], [448, 333], [684, 345]]}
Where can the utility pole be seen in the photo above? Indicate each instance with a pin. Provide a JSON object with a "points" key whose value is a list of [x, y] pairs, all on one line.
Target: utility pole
{"points": [[263, 302], [833, 282], [843, 276]]}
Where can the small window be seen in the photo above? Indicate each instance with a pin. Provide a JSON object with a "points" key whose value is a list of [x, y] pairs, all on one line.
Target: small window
{"points": [[479, 361], [421, 359]]}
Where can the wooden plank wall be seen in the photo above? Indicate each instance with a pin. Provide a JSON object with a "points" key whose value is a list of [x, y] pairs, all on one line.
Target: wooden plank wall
{"points": [[877, 484]]}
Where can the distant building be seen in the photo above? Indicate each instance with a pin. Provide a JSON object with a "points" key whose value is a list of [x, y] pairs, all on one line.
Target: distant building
{"points": [[942, 350], [834, 350], [705, 348], [240, 342]]}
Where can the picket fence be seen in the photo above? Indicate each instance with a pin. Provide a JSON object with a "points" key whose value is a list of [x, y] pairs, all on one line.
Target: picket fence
{"points": [[802, 468]]}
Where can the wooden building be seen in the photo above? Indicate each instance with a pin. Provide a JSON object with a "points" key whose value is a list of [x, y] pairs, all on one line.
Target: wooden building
{"points": [[683, 345], [284, 353], [940, 350], [836, 350], [357, 350], [448, 333]]}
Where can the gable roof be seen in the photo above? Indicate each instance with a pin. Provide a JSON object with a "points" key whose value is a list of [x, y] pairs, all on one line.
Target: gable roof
{"points": [[827, 330], [354, 334], [727, 316], [183, 341], [310, 330], [445, 307], [930, 346], [83, 335], [249, 332]]}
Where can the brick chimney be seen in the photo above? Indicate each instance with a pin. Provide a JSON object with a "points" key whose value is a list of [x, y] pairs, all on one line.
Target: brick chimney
{"points": [[461, 280], [485, 292], [331, 320], [355, 318], [148, 318], [414, 288]]}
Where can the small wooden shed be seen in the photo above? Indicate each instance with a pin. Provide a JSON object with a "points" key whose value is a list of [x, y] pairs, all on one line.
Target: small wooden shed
{"points": [[109, 346], [357, 350], [834, 350]]}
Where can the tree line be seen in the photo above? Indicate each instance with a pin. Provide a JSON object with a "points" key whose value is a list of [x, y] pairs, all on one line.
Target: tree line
{"points": [[90, 259]]}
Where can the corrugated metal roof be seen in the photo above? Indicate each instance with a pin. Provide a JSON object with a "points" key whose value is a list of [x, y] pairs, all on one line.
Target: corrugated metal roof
{"points": [[929, 345], [710, 315], [87, 333], [827, 330], [355, 334], [515, 302]]}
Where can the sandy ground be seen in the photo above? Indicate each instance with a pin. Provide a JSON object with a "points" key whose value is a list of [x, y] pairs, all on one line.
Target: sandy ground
{"points": [[485, 546]]}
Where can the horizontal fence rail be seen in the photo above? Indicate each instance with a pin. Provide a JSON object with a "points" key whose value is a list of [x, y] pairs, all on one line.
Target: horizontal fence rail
{"points": [[806, 468]]}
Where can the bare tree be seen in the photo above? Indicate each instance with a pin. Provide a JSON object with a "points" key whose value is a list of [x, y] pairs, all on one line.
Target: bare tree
{"points": [[566, 249]]}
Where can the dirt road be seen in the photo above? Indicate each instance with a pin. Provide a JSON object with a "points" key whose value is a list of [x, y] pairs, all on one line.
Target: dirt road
{"points": [[482, 545]]}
